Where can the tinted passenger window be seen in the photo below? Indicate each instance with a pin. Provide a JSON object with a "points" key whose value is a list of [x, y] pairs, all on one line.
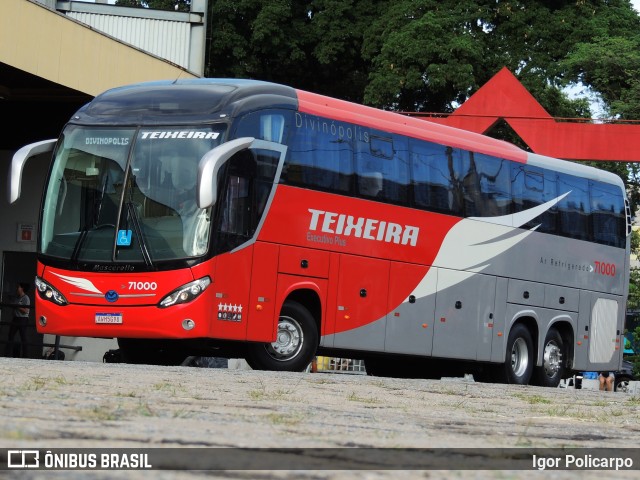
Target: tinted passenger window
{"points": [[608, 214], [486, 186], [530, 187], [270, 125], [383, 172], [436, 177], [320, 155], [246, 181], [573, 210]]}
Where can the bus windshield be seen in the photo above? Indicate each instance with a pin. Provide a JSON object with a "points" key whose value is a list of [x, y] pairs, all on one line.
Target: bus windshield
{"points": [[127, 194]]}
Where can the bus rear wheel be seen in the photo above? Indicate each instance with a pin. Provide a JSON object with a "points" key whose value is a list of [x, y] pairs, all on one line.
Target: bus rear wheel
{"points": [[519, 359], [295, 345], [552, 369]]}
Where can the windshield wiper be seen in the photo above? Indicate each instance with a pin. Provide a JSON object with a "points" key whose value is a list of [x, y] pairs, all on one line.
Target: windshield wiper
{"points": [[78, 245], [133, 214], [97, 208]]}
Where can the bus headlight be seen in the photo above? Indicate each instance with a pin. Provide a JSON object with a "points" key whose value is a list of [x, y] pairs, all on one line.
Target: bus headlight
{"points": [[47, 292], [185, 293]]}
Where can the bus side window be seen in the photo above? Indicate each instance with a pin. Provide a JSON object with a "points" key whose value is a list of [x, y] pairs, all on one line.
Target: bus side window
{"points": [[487, 190], [574, 209], [234, 208], [266, 166], [530, 187], [435, 171], [269, 125], [382, 168], [249, 178], [607, 214], [321, 156]]}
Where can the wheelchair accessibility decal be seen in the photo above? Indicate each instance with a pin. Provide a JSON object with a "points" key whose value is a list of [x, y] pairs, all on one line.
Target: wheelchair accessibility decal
{"points": [[124, 238]]}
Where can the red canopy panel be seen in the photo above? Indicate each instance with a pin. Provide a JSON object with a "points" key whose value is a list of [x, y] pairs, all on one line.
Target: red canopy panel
{"points": [[504, 97]]}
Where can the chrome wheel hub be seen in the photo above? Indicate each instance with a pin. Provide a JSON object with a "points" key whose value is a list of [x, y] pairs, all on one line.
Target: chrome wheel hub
{"points": [[552, 359], [289, 340], [519, 357]]}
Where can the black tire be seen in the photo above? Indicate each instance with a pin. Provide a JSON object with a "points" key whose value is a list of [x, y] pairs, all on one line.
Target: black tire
{"points": [[295, 345], [519, 358], [554, 357], [621, 384], [150, 352]]}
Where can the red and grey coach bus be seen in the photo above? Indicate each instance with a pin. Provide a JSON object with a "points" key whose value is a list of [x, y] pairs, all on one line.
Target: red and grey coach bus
{"points": [[252, 219]]}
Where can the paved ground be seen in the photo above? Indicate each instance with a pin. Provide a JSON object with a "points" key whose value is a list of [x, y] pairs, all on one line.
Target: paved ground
{"points": [[49, 404]]}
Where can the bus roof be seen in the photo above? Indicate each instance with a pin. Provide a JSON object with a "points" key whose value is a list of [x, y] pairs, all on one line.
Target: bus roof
{"points": [[195, 98]]}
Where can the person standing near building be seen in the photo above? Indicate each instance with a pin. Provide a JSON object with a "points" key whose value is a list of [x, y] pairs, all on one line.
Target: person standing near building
{"points": [[19, 322]]}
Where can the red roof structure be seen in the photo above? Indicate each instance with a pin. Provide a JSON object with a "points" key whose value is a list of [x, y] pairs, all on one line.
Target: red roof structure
{"points": [[504, 97]]}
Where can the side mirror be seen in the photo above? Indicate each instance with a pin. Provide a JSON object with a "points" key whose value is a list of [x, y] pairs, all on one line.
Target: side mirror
{"points": [[209, 166], [18, 161]]}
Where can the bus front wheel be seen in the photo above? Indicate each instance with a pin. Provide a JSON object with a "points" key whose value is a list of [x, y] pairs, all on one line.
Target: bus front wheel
{"points": [[519, 359], [295, 345]]}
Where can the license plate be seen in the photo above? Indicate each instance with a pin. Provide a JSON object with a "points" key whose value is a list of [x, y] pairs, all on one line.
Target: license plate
{"points": [[108, 318]]}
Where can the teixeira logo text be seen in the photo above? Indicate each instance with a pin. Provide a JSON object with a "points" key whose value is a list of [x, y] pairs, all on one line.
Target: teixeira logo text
{"points": [[344, 225]]}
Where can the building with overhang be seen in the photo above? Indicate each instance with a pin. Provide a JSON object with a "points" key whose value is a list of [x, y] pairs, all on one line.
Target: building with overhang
{"points": [[55, 56]]}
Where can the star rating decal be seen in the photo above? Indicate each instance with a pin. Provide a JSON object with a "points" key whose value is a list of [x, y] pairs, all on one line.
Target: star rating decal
{"points": [[230, 312]]}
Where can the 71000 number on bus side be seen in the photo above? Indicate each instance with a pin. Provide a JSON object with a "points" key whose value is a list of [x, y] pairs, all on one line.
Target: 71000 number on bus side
{"points": [[604, 268], [143, 285]]}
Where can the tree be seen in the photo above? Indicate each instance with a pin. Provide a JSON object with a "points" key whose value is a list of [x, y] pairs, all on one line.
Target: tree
{"points": [[430, 55], [254, 39], [425, 55], [312, 45], [611, 65], [420, 55]]}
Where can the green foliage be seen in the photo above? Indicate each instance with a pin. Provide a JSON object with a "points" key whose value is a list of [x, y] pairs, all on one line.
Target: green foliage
{"points": [[635, 341], [309, 45], [425, 56], [611, 65], [431, 55], [635, 345], [633, 302]]}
